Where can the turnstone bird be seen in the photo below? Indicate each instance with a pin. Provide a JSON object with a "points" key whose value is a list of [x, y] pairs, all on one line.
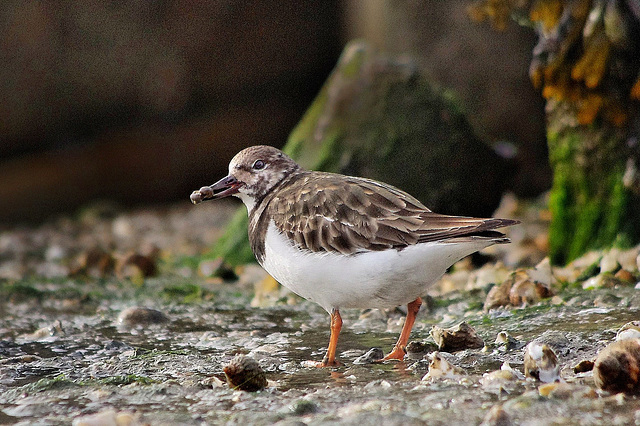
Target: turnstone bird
{"points": [[346, 242]]}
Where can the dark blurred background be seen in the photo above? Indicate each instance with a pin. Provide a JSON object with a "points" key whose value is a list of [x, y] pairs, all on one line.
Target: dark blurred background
{"points": [[141, 102]]}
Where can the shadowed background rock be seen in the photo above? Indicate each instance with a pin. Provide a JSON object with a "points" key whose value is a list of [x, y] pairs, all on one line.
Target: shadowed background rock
{"points": [[109, 100]]}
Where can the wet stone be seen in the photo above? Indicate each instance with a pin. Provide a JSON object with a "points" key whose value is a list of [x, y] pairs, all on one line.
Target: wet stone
{"points": [[303, 407], [109, 417], [457, 338], [47, 332], [563, 391], [496, 416], [20, 359], [505, 342], [135, 265], [583, 366], [373, 355], [417, 350], [136, 316]]}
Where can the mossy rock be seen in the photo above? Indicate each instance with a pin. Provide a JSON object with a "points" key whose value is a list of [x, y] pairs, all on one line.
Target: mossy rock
{"points": [[378, 117]]}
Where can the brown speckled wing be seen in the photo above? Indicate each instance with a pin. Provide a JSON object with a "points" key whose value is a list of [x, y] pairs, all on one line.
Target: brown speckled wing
{"points": [[334, 213]]}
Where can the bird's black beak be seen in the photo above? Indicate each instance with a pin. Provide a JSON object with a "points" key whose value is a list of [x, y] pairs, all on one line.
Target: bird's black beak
{"points": [[222, 188]]}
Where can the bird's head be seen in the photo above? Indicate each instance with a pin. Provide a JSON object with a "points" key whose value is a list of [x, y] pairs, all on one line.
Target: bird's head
{"points": [[253, 173]]}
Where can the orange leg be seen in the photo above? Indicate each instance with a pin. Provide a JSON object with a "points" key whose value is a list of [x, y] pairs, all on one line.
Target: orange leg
{"points": [[336, 325], [399, 350]]}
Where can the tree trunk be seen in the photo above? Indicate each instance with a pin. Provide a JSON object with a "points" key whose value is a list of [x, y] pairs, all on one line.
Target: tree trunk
{"points": [[594, 200]]}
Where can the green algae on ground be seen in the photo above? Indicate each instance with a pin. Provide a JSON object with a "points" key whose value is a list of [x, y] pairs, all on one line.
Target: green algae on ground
{"points": [[20, 291], [183, 293], [122, 380]]}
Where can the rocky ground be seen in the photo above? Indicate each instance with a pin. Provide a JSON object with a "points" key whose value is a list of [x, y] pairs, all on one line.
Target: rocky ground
{"points": [[115, 317]]}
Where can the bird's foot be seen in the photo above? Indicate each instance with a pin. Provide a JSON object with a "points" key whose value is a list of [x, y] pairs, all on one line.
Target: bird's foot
{"points": [[321, 364], [397, 353]]}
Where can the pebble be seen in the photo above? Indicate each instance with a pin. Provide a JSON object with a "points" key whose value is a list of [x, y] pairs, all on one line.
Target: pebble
{"points": [[522, 287], [417, 350], [501, 381], [627, 258], [601, 281], [498, 296], [580, 269], [109, 417], [54, 329], [609, 261], [140, 316], [457, 338], [244, 373], [625, 276], [506, 342], [564, 391], [135, 265], [543, 273], [21, 359], [541, 363], [617, 367], [496, 416], [210, 267], [583, 366], [525, 291], [630, 330], [372, 355], [303, 407], [95, 263]]}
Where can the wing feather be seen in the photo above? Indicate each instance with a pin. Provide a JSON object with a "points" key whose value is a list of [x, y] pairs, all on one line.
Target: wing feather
{"points": [[334, 213]]}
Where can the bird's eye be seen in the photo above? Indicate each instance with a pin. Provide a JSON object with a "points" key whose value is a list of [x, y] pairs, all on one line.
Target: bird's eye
{"points": [[258, 165]]}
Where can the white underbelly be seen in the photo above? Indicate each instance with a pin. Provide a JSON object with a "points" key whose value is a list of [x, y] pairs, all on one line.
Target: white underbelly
{"points": [[379, 279]]}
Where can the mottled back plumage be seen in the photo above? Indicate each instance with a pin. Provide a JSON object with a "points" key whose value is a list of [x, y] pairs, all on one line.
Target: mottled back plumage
{"points": [[335, 213]]}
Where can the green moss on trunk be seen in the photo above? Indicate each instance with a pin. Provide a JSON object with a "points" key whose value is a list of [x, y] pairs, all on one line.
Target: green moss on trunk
{"points": [[591, 207]]}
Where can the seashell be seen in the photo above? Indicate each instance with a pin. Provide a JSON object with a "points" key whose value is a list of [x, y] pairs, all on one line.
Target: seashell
{"points": [[441, 368], [617, 367], [463, 336], [541, 363], [630, 330], [244, 373]]}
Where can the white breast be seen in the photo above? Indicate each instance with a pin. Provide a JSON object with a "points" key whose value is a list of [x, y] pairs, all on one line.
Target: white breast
{"points": [[377, 279]]}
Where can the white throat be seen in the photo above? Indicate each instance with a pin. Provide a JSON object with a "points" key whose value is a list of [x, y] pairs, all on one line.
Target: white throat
{"points": [[248, 200]]}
